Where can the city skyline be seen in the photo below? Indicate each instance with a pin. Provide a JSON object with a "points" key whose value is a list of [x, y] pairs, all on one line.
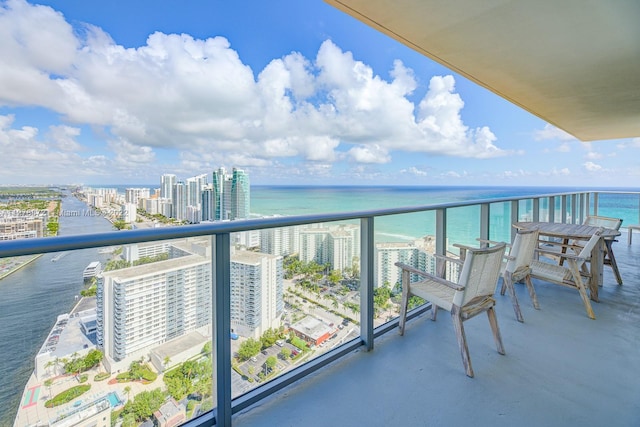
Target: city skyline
{"points": [[291, 93]]}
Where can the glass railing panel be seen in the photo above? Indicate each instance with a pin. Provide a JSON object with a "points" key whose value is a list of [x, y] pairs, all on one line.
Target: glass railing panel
{"points": [[157, 338], [500, 222], [309, 304], [544, 213], [620, 205], [525, 210], [410, 239], [463, 227], [76, 354]]}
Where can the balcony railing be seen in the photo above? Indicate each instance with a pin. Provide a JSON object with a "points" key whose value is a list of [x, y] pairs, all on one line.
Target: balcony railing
{"points": [[494, 218]]}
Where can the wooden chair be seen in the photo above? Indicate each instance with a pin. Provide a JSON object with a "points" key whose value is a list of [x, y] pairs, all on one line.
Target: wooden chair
{"points": [[518, 268], [614, 224], [575, 246], [470, 295], [568, 274]]}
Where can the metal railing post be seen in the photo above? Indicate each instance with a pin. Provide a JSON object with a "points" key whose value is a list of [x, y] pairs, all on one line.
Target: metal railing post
{"points": [[515, 217], [221, 295], [441, 231], [367, 252], [484, 221], [536, 210]]}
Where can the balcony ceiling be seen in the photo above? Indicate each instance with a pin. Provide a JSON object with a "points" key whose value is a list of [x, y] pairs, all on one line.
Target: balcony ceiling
{"points": [[573, 63]]}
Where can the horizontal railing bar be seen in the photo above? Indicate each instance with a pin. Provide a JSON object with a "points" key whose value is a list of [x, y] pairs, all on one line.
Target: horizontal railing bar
{"points": [[114, 238]]}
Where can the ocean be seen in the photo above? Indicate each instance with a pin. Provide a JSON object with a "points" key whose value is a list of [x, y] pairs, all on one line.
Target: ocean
{"points": [[301, 200]]}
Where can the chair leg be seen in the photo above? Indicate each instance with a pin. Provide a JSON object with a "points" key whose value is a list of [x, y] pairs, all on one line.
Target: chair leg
{"points": [[404, 302], [507, 281], [532, 292], [581, 289], [462, 340], [612, 261], [493, 321]]}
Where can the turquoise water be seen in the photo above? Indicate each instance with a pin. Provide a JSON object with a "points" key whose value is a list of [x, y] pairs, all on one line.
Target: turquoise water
{"points": [[463, 223], [113, 399]]}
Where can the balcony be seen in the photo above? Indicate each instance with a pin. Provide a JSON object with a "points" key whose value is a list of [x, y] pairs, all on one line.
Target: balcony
{"points": [[560, 368], [559, 363]]}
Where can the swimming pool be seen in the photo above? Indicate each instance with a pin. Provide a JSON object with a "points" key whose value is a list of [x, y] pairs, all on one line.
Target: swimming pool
{"points": [[113, 399]]}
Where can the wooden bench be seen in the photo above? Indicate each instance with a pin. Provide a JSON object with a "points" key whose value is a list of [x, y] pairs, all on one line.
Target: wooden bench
{"points": [[630, 229]]}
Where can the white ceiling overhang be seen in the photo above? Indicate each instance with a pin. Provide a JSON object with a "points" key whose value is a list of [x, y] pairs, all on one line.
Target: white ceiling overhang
{"points": [[573, 63]]}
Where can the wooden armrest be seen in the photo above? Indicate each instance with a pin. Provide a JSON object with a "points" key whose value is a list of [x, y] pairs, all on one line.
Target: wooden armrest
{"points": [[431, 277], [492, 242], [461, 246], [447, 258], [560, 245], [541, 251], [412, 269]]}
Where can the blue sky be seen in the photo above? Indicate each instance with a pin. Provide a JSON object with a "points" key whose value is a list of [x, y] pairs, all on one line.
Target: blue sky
{"points": [[294, 92]]}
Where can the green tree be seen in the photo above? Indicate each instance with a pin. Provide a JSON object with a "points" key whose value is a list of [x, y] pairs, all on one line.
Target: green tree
{"points": [[271, 362], [127, 391], [120, 225], [129, 420], [146, 403], [335, 277], [269, 337], [249, 348], [206, 349], [285, 353]]}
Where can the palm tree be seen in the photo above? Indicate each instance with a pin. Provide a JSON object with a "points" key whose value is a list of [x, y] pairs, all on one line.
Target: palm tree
{"points": [[127, 391]]}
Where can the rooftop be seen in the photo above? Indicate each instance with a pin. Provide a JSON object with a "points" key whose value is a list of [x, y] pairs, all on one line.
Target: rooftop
{"points": [[560, 368]]}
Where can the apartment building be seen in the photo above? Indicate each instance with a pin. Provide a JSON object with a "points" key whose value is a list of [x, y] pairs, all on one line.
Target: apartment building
{"points": [[144, 306], [256, 293]]}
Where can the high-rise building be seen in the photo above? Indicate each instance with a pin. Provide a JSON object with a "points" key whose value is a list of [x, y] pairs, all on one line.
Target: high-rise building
{"points": [[232, 194], [218, 183], [280, 241], [132, 195], [338, 246], [144, 306], [256, 293], [166, 188], [208, 203], [180, 201], [240, 195], [418, 254]]}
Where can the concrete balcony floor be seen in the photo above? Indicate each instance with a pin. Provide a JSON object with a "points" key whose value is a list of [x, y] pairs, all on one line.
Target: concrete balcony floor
{"points": [[560, 368]]}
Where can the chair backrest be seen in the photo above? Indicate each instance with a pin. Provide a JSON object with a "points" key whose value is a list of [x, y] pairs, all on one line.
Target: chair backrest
{"points": [[585, 253], [603, 221], [522, 251], [480, 273]]}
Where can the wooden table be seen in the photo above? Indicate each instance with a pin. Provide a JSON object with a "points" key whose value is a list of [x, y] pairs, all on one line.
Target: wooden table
{"points": [[568, 232]]}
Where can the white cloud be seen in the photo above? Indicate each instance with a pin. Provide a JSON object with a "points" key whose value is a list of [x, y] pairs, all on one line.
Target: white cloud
{"points": [[592, 167], [415, 171], [369, 154], [551, 132], [65, 137], [198, 97], [592, 155]]}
